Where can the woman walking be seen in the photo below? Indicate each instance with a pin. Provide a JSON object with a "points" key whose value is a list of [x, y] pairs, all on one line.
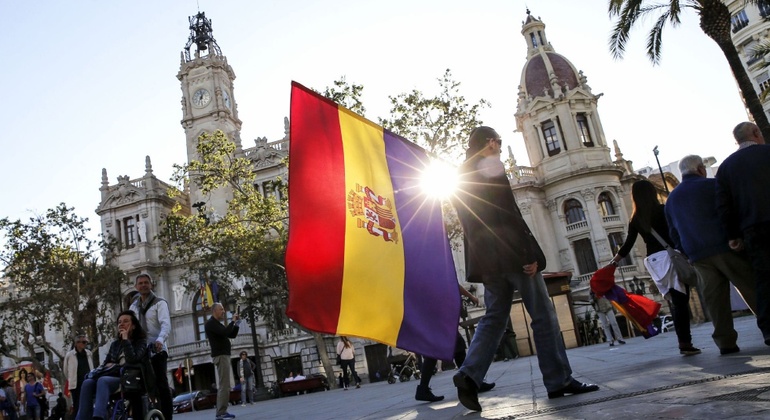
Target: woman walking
{"points": [[649, 217], [347, 354]]}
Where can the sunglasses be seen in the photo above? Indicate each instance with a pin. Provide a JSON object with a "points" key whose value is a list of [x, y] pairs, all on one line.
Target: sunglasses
{"points": [[498, 141]]}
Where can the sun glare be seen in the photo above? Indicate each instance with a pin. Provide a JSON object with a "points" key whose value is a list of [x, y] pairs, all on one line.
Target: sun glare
{"points": [[439, 179]]}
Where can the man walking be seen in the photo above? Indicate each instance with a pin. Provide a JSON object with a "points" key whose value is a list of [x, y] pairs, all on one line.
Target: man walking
{"points": [[246, 374], [607, 318], [695, 229], [154, 316], [743, 206], [219, 337], [77, 363], [502, 253]]}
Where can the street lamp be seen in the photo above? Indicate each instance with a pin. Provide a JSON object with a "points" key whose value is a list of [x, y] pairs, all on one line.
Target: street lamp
{"points": [[662, 177], [260, 393]]}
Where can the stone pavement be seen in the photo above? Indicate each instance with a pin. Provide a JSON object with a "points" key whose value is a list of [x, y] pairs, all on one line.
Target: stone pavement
{"points": [[643, 379]]}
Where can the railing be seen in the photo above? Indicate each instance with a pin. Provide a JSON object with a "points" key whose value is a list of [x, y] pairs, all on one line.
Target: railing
{"points": [[611, 218], [577, 225], [584, 280]]}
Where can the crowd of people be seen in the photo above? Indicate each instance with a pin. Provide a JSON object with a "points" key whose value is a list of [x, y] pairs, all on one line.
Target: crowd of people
{"points": [[722, 225]]}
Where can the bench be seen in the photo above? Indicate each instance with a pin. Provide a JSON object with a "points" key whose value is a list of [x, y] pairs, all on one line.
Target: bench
{"points": [[312, 383]]}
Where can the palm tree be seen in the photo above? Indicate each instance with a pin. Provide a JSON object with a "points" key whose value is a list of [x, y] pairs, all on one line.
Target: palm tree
{"points": [[715, 21]]}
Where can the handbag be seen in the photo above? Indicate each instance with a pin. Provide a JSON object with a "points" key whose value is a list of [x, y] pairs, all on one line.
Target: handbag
{"points": [[131, 378], [102, 370], [339, 359], [685, 272]]}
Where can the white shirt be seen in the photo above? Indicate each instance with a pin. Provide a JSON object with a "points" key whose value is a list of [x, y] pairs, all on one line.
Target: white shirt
{"points": [[157, 318]]}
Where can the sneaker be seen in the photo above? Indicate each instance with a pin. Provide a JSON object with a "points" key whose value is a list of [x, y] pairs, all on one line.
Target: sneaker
{"points": [[243, 405], [729, 350], [228, 416], [689, 351], [612, 344], [621, 342]]}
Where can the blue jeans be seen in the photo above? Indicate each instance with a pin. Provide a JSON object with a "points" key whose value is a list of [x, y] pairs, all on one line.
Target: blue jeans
{"points": [[33, 412], [247, 389], [498, 297], [102, 388]]}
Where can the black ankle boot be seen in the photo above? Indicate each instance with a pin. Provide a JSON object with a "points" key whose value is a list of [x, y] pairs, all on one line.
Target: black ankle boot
{"points": [[425, 394]]}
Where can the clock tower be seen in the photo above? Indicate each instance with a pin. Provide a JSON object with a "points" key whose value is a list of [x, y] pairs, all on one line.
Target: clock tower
{"points": [[208, 100]]}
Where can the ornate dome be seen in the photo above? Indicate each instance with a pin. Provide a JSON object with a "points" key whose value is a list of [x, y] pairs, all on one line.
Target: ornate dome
{"points": [[540, 70]]}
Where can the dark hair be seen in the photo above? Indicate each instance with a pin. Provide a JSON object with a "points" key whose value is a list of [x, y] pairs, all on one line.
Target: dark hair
{"points": [[138, 332], [478, 139], [645, 197], [144, 275]]}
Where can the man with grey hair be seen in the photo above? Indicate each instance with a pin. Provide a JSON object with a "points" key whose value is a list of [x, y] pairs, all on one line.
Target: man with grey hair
{"points": [[743, 206], [219, 337], [695, 229], [77, 363]]}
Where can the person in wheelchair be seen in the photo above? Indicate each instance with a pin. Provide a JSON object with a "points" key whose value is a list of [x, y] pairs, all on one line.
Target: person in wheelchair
{"points": [[129, 348]]}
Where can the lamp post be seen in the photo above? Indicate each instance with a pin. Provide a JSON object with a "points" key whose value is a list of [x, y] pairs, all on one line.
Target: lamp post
{"points": [[662, 177], [260, 393]]}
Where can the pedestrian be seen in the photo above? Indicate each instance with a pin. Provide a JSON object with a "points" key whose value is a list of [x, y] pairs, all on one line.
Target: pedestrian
{"points": [[77, 363], [154, 316], [11, 403], [246, 374], [744, 209], [33, 393], [502, 253], [649, 216], [696, 230], [219, 337], [428, 366], [60, 409], [347, 354], [606, 314]]}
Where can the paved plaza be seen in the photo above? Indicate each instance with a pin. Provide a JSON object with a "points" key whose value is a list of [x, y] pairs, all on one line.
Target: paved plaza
{"points": [[643, 379]]}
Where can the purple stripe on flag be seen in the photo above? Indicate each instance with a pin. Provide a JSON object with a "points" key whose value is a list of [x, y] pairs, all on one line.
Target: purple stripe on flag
{"points": [[431, 294]]}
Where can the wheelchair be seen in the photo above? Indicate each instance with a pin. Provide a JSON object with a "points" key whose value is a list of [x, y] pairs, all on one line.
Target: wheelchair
{"points": [[131, 397]]}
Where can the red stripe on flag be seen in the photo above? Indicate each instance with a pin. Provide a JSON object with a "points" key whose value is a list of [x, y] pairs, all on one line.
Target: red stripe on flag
{"points": [[317, 207]]}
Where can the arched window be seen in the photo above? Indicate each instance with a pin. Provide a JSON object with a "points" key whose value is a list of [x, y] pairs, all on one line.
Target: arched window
{"points": [[606, 207], [574, 211], [201, 315]]}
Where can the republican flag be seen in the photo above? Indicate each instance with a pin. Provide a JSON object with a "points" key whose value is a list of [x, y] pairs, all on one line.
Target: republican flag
{"points": [[179, 374], [368, 254]]}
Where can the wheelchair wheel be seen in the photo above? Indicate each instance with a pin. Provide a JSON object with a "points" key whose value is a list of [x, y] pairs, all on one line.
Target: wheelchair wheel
{"points": [[417, 375], [391, 379], [154, 414]]}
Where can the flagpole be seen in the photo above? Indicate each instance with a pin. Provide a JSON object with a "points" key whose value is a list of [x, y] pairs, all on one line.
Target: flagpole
{"points": [[189, 382]]}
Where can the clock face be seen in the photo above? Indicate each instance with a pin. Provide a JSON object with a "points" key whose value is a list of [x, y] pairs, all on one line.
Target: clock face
{"points": [[226, 98], [201, 98]]}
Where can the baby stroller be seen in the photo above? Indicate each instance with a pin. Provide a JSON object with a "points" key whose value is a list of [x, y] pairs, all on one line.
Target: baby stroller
{"points": [[403, 365]]}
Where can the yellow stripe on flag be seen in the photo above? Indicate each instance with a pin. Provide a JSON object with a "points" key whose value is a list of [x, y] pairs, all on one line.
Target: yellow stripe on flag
{"points": [[373, 277]]}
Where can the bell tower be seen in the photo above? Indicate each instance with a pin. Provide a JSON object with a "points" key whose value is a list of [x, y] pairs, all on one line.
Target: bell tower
{"points": [[208, 98]]}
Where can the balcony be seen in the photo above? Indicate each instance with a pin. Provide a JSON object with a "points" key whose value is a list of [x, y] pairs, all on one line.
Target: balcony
{"points": [[611, 218], [572, 227]]}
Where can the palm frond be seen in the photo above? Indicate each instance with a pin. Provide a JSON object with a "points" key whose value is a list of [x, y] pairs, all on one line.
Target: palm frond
{"points": [[628, 13], [655, 38]]}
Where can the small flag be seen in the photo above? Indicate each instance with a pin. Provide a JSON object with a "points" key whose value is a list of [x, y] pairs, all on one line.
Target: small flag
{"points": [[47, 382], [368, 254], [179, 374]]}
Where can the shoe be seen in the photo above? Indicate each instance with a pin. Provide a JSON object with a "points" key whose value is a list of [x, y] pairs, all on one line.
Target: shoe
{"points": [[621, 342], [689, 350], [467, 391], [424, 393], [228, 416], [612, 344], [358, 385], [485, 386], [767, 341], [574, 387], [729, 350], [243, 405]]}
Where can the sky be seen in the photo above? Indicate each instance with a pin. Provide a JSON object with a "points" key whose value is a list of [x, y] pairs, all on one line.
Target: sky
{"points": [[91, 84]]}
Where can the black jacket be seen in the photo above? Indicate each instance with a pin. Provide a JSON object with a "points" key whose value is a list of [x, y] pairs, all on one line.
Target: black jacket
{"points": [[219, 336], [136, 354], [497, 239]]}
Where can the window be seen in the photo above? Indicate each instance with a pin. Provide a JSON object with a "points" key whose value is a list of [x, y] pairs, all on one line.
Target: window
{"points": [[740, 20], [38, 328], [574, 211], [129, 228], [605, 205], [583, 131], [551, 139], [540, 37], [763, 81], [533, 39], [584, 255], [748, 52], [764, 10], [616, 241]]}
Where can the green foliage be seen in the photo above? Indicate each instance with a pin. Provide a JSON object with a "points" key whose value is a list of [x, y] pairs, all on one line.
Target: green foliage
{"points": [[441, 124], [347, 95], [247, 242], [55, 282]]}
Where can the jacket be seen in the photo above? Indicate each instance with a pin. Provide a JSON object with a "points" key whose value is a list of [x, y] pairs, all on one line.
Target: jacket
{"points": [[156, 318], [71, 366], [497, 239], [742, 181], [219, 336], [136, 354]]}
